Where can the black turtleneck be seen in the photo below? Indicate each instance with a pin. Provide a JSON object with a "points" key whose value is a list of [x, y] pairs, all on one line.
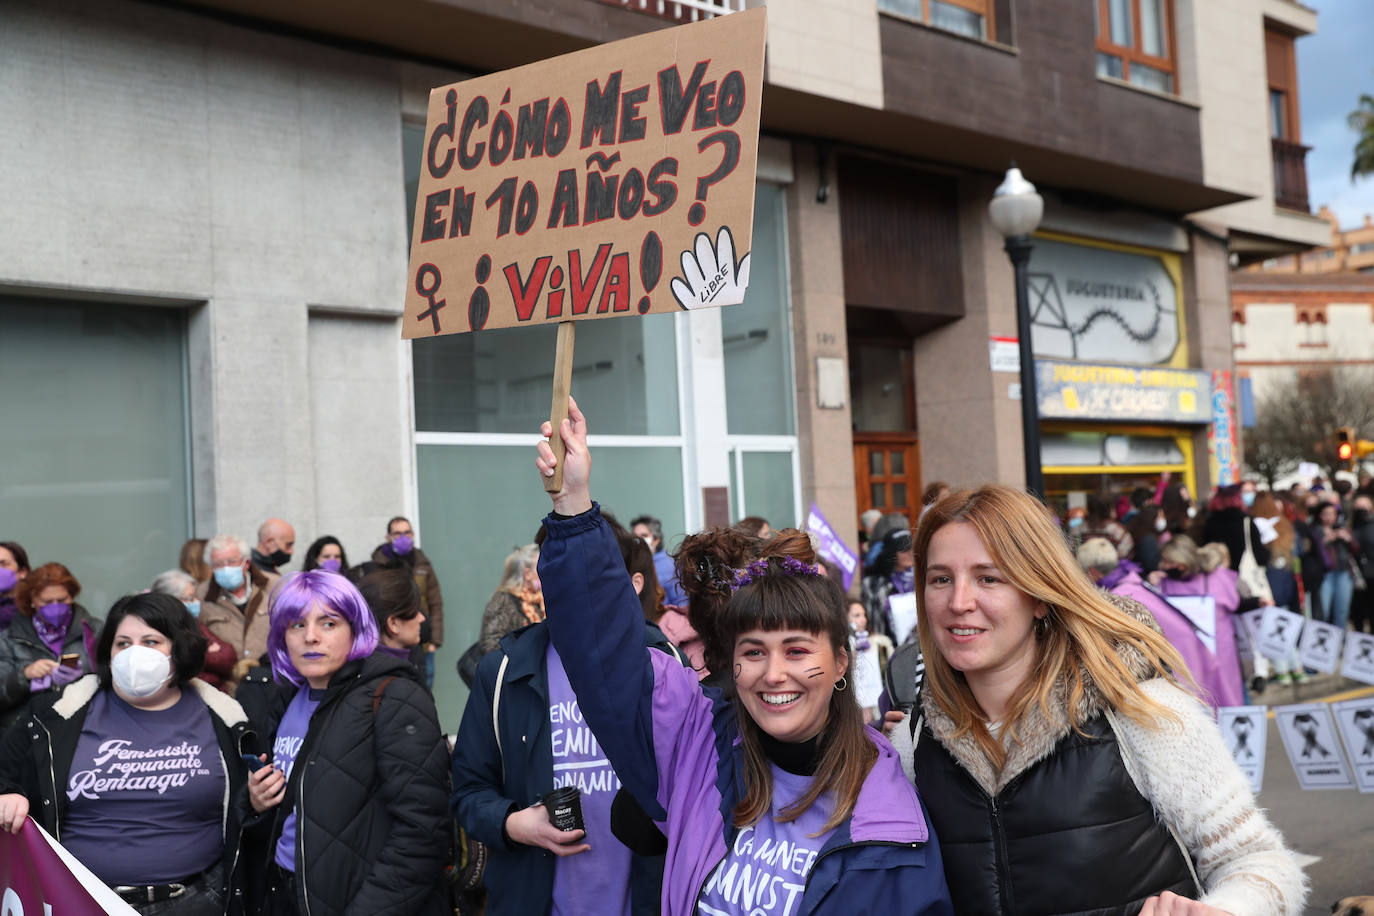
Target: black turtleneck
{"points": [[798, 758], [637, 830]]}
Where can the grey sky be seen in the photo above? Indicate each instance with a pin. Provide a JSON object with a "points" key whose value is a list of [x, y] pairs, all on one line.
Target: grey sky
{"points": [[1334, 66]]}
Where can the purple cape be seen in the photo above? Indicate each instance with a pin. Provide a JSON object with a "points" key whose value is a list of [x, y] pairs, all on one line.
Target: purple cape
{"points": [[1220, 684]]}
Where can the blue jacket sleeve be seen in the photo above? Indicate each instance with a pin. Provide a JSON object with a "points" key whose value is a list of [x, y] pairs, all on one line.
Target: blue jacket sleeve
{"points": [[479, 803], [596, 624]]}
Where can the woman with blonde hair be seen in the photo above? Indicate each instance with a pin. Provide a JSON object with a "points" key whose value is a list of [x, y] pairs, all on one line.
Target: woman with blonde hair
{"points": [[1188, 572], [1065, 768], [518, 601]]}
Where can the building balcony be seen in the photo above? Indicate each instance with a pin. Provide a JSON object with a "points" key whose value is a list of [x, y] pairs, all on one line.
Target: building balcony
{"points": [[1290, 175], [680, 10]]}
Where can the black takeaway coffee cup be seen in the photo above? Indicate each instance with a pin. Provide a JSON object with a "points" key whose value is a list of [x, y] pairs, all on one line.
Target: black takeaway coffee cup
{"points": [[564, 808]]}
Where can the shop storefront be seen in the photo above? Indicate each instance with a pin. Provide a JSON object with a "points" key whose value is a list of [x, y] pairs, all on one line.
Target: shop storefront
{"points": [[1118, 406]]}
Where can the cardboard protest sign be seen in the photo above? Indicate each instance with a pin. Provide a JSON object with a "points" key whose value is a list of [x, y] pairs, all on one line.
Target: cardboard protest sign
{"points": [[1358, 661], [1247, 632], [831, 547], [1355, 718], [613, 181], [1279, 632], [1320, 646], [904, 616], [1245, 729], [39, 876], [1313, 748], [866, 673], [1202, 611]]}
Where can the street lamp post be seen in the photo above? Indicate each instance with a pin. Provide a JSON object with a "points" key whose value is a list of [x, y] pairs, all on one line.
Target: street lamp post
{"points": [[1015, 211]]}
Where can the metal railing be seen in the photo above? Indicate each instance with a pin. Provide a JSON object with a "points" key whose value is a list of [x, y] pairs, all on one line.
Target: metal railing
{"points": [[681, 10], [1290, 175]]}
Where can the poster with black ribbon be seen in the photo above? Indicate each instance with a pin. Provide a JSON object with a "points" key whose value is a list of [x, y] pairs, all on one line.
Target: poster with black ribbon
{"points": [[1309, 736]]}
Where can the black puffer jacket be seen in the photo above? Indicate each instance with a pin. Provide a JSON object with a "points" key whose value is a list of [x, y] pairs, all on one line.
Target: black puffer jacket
{"points": [[1071, 834], [21, 646], [36, 758], [370, 792], [1061, 827]]}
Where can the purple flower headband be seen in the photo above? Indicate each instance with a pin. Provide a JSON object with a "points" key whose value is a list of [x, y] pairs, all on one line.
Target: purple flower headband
{"points": [[789, 566]]}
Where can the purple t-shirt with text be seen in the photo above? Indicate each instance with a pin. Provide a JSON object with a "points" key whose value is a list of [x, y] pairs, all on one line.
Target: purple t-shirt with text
{"points": [[295, 722], [146, 793], [596, 882], [764, 873]]}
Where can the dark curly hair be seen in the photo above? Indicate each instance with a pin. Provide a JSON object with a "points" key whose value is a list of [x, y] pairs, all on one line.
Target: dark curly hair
{"points": [[706, 564], [169, 617]]}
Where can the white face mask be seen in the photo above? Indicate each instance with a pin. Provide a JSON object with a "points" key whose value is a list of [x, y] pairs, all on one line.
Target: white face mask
{"points": [[648, 540], [140, 672], [1161, 523]]}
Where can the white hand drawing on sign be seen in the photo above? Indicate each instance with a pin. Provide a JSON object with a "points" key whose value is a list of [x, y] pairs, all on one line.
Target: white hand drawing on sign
{"points": [[710, 275]]}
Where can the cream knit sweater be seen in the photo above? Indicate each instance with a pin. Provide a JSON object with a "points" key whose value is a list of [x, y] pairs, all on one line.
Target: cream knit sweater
{"points": [[1197, 790], [1188, 774]]}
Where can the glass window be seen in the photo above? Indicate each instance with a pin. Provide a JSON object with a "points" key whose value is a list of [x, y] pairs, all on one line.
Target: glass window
{"points": [[768, 489], [1119, 17], [1151, 78], [478, 502], [1091, 449], [878, 380], [501, 380], [963, 17], [1278, 104], [1153, 38], [412, 148], [1145, 57], [956, 19], [98, 403], [755, 334]]}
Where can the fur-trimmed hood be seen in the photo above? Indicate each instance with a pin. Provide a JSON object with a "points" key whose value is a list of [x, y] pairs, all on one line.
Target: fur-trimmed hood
{"points": [[81, 692], [1037, 734]]}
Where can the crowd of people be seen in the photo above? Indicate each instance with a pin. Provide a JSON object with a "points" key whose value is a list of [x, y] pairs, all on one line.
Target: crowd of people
{"points": [[694, 731]]}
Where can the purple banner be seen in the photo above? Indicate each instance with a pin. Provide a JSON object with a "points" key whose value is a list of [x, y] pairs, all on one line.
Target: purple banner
{"points": [[832, 547], [36, 880]]}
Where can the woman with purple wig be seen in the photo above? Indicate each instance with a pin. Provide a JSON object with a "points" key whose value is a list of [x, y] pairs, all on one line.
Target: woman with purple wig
{"points": [[349, 815]]}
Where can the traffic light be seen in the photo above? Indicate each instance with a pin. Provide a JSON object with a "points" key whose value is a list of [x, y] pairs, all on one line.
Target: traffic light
{"points": [[1345, 447]]}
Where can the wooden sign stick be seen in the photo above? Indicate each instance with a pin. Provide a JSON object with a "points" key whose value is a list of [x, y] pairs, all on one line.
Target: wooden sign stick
{"points": [[562, 387]]}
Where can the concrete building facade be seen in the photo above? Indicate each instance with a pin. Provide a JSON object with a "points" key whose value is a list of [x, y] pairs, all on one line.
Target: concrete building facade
{"points": [[205, 257]]}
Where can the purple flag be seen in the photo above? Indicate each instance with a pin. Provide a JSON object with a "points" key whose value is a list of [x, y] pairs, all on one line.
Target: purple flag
{"points": [[831, 547], [39, 876]]}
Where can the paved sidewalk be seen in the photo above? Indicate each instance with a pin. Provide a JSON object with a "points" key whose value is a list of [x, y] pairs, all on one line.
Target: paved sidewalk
{"points": [[1317, 687]]}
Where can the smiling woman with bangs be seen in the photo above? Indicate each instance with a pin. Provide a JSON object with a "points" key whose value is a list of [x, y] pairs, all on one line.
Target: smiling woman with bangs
{"points": [[1065, 766], [778, 803]]}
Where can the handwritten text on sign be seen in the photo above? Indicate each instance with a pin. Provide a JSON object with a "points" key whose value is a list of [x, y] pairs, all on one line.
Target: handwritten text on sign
{"points": [[569, 188]]}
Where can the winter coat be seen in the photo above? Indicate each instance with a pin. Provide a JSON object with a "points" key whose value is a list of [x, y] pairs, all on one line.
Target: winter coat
{"points": [[676, 747], [491, 779], [1220, 584], [1093, 812], [220, 659], [1227, 526], [36, 762], [678, 627], [1364, 541], [370, 793], [21, 646], [1181, 632], [503, 615], [431, 597], [245, 630]]}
